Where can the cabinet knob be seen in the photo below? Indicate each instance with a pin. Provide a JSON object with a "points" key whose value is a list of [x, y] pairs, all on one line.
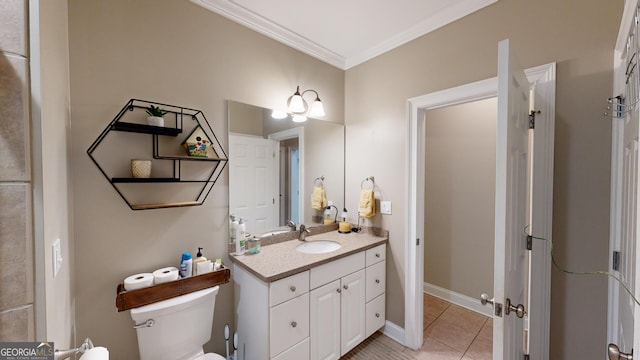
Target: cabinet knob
{"points": [[377, 255], [377, 281], [345, 286], [338, 290], [377, 315], [294, 324], [292, 288]]}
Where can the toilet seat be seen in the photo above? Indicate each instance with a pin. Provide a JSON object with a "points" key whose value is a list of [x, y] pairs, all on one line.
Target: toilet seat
{"points": [[210, 356]]}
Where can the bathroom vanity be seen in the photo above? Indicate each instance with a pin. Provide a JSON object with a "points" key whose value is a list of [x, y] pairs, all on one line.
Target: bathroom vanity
{"points": [[294, 305]]}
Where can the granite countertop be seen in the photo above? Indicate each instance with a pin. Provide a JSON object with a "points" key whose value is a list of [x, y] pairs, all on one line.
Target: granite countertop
{"points": [[279, 260]]}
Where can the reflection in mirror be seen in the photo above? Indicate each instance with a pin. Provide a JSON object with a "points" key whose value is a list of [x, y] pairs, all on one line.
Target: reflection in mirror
{"points": [[274, 164]]}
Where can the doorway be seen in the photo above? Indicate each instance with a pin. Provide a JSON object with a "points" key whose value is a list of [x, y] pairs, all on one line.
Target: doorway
{"points": [[459, 191], [543, 83]]}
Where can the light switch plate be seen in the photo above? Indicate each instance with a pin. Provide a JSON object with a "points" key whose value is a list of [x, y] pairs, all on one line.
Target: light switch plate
{"points": [[385, 207], [56, 254]]}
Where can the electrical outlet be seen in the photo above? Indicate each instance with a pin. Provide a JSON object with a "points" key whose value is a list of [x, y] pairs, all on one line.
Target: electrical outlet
{"points": [[56, 254], [385, 207]]}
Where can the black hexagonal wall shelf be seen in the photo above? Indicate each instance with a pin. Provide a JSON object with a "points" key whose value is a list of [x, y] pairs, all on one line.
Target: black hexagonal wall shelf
{"points": [[181, 160]]}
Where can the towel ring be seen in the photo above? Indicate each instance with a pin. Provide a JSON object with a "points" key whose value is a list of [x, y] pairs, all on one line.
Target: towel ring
{"points": [[370, 178], [319, 182]]}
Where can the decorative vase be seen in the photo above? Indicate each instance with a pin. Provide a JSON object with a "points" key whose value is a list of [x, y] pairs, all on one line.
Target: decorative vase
{"points": [[141, 169], [155, 120]]}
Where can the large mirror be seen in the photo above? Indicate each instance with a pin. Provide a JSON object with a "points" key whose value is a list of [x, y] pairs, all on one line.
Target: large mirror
{"points": [[274, 165]]}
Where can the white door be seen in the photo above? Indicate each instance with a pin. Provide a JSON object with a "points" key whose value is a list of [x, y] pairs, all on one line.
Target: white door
{"points": [[324, 332], [511, 205], [628, 233], [253, 181], [352, 310], [623, 312]]}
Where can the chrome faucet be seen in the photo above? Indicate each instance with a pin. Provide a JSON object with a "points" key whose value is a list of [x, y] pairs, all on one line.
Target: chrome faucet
{"points": [[291, 224], [303, 232]]}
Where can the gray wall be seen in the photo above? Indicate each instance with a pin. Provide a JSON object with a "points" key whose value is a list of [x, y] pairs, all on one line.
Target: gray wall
{"points": [[16, 225], [579, 37], [460, 181], [178, 53]]}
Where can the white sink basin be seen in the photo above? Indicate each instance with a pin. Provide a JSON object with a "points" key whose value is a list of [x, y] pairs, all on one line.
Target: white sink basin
{"points": [[318, 246]]}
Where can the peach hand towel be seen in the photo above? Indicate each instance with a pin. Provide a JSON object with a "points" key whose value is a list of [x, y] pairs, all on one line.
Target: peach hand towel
{"points": [[367, 207]]}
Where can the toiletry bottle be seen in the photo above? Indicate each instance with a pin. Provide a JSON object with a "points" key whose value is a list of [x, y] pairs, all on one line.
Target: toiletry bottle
{"points": [[241, 237], [327, 214], [186, 265], [199, 258], [233, 228]]}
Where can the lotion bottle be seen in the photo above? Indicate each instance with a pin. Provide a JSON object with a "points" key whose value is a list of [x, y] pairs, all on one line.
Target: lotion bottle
{"points": [[233, 228], [240, 241], [186, 265]]}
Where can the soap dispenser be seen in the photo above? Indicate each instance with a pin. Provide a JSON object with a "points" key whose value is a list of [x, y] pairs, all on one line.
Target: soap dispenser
{"points": [[344, 227], [199, 259]]}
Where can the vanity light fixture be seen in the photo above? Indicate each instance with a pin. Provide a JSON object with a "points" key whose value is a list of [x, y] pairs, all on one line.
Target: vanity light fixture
{"points": [[298, 118], [279, 114], [297, 105]]}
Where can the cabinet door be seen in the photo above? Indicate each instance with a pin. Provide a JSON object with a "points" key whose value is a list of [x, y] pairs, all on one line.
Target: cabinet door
{"points": [[325, 322], [288, 324], [352, 310], [298, 352], [376, 276]]}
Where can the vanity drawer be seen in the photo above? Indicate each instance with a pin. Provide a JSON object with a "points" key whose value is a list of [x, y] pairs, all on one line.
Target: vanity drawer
{"points": [[336, 269], [375, 277], [288, 324], [299, 352], [376, 254], [288, 288], [374, 315]]}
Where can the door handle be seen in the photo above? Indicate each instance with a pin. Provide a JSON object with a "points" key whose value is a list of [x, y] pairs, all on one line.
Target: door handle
{"points": [[497, 307], [615, 354], [519, 309], [484, 299]]}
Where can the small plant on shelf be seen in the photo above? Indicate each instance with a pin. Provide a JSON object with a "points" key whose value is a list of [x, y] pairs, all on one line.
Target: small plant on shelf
{"points": [[156, 114]]}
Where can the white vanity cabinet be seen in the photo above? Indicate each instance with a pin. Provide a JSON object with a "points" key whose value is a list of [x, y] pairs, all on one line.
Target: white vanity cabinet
{"points": [[337, 313], [272, 319], [375, 289], [320, 313]]}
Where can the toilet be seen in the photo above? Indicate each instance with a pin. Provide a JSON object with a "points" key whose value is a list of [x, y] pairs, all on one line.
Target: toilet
{"points": [[177, 328]]}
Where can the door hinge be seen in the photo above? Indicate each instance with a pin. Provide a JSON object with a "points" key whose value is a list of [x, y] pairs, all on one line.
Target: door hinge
{"points": [[616, 261], [417, 241], [532, 118], [529, 242]]}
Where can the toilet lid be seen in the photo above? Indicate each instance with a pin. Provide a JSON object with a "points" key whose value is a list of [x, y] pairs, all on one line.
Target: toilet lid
{"points": [[210, 356]]}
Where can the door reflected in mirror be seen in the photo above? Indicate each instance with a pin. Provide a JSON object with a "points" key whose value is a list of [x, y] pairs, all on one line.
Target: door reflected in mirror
{"points": [[274, 164]]}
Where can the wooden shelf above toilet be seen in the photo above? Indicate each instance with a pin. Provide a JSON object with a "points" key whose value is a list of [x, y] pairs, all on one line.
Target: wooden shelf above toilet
{"points": [[126, 300]]}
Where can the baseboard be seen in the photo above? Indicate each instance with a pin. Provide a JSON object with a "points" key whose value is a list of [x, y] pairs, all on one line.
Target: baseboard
{"points": [[458, 299], [393, 331]]}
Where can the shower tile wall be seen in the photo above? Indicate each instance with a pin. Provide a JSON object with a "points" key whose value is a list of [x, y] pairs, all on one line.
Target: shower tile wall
{"points": [[16, 227]]}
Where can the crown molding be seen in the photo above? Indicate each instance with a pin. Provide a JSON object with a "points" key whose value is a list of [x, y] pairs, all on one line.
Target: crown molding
{"points": [[254, 21]]}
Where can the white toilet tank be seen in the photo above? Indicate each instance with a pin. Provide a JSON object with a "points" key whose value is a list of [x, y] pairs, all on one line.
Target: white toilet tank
{"points": [[181, 326]]}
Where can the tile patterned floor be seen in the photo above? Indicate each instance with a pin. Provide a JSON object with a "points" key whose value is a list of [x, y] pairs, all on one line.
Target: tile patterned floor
{"points": [[451, 333]]}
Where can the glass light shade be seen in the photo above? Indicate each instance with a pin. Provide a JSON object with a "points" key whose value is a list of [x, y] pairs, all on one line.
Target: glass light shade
{"points": [[296, 104], [317, 110], [298, 118], [278, 114]]}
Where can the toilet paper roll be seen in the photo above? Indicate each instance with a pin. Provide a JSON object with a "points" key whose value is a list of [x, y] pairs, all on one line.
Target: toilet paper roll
{"points": [[165, 275], [138, 281], [96, 353]]}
